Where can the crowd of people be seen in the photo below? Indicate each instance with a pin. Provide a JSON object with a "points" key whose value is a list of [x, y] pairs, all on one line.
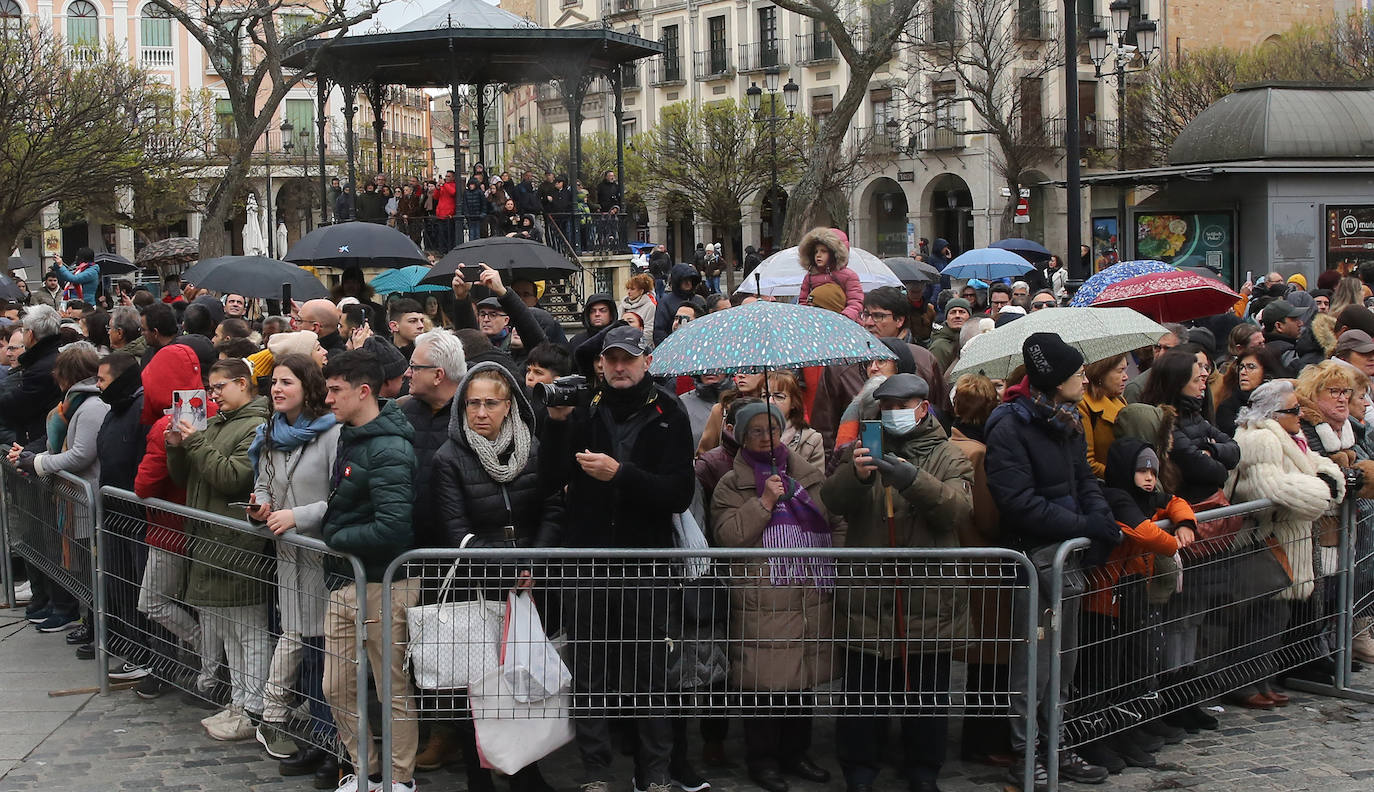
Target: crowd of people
{"points": [[378, 429], [440, 214]]}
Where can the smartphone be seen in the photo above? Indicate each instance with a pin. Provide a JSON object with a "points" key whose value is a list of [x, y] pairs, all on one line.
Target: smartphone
{"points": [[871, 437], [286, 294], [242, 505], [1249, 276]]}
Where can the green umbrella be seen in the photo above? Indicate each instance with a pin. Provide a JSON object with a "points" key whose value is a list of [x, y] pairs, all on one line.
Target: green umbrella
{"points": [[1099, 333]]}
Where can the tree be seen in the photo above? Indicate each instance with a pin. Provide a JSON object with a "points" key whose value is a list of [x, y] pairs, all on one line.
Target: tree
{"points": [[70, 130], [866, 44], [246, 41], [999, 59], [717, 158], [541, 150], [1339, 52]]}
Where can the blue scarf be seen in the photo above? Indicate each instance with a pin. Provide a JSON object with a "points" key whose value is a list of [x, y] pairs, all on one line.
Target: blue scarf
{"points": [[288, 437]]}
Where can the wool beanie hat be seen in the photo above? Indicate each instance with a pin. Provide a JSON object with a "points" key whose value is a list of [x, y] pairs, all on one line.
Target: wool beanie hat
{"points": [[1049, 361], [906, 362], [301, 342], [958, 302], [828, 296]]}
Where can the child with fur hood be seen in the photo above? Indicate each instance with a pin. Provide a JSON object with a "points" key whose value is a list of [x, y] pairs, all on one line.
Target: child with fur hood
{"points": [[824, 255]]}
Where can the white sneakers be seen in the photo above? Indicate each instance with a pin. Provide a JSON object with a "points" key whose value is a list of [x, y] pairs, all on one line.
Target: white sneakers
{"points": [[350, 784], [230, 725]]}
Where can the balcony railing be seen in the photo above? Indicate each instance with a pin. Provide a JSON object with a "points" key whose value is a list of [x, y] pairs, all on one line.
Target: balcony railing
{"points": [[85, 56], [761, 55], [816, 48], [1035, 24], [947, 133], [156, 57], [942, 23], [615, 8], [664, 70], [879, 141], [629, 76], [712, 64]]}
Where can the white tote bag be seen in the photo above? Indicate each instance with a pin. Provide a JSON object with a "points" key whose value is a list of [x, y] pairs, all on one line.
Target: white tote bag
{"points": [[530, 662], [453, 643]]}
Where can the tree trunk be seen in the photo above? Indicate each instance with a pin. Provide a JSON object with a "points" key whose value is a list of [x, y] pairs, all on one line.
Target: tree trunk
{"points": [[214, 240], [801, 204]]}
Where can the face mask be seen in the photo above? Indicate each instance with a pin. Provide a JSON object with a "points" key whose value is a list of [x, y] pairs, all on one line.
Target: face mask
{"points": [[899, 422]]}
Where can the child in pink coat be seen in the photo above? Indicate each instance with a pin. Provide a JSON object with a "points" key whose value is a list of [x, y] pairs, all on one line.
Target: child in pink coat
{"points": [[824, 255]]}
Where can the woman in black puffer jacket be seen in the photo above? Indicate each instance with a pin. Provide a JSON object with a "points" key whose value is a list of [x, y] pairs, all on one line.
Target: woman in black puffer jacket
{"points": [[487, 494], [1204, 457]]}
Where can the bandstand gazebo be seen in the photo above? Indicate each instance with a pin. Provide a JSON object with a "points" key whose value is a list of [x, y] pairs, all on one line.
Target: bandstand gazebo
{"points": [[470, 43]]}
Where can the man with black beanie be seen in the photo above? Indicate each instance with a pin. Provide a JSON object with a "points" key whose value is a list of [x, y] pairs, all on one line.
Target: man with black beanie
{"points": [[1037, 471]]}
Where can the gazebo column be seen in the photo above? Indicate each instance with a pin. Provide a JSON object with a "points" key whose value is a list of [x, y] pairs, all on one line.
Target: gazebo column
{"points": [[481, 124], [376, 97], [455, 104], [321, 115], [618, 89], [350, 93], [574, 90]]}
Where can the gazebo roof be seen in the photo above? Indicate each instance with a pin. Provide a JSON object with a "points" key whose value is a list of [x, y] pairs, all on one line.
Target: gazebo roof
{"points": [[1278, 121], [469, 42]]}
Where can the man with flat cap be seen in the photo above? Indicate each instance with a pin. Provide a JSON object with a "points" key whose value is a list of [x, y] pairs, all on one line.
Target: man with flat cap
{"points": [[913, 492]]}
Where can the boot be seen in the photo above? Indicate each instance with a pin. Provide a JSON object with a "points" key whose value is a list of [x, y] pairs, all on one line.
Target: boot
{"points": [[1362, 648], [441, 749]]}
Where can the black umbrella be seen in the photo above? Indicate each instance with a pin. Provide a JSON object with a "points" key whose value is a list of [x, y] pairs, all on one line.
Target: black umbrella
{"points": [[8, 291], [911, 270], [1028, 249], [15, 263], [114, 264], [256, 276], [512, 256], [346, 245]]}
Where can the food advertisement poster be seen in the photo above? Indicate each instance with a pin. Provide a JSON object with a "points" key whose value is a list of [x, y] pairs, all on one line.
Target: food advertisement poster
{"points": [[1189, 239]]}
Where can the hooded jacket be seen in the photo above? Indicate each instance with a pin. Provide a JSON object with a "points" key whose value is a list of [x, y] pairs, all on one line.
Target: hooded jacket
{"points": [[370, 510], [78, 454], [468, 500], [1204, 455], [587, 330], [174, 367], [120, 445], [839, 272], [682, 283]]}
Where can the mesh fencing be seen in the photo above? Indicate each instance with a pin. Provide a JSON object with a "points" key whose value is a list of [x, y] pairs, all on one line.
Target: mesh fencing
{"points": [[49, 521]]}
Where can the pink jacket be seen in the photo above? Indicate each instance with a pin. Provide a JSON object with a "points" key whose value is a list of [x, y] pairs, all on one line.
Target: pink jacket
{"points": [[846, 279]]}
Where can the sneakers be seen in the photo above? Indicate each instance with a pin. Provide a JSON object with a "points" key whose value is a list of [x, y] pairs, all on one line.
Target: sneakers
{"points": [[85, 652], [81, 635], [58, 622], [686, 778], [597, 786], [1041, 778], [236, 728], [403, 786], [23, 594], [274, 738], [223, 716], [1075, 768], [37, 615], [350, 784], [150, 687], [128, 671], [1363, 648]]}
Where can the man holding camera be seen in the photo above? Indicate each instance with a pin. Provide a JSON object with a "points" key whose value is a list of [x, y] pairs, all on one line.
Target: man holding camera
{"points": [[624, 452]]}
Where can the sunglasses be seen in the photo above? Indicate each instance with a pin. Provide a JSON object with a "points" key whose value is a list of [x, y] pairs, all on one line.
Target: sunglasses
{"points": [[1290, 411], [1042, 304]]}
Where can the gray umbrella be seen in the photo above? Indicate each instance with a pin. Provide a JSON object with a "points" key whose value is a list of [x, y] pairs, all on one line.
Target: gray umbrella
{"points": [[8, 291], [911, 270]]}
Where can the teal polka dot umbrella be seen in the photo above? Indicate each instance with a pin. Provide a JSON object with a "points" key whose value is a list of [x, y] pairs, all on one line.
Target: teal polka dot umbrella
{"points": [[765, 336]]}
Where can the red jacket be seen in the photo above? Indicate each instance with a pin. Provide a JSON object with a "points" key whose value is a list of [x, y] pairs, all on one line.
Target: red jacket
{"points": [[174, 367], [1135, 555], [447, 205]]}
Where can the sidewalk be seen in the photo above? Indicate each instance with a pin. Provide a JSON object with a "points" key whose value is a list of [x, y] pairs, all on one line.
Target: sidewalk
{"points": [[120, 742]]}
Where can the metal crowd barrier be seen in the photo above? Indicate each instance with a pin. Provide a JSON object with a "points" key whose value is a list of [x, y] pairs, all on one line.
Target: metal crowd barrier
{"points": [[640, 637]]}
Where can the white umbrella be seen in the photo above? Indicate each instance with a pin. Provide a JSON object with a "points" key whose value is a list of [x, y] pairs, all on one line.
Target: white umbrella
{"points": [[781, 274], [253, 242], [1099, 333]]}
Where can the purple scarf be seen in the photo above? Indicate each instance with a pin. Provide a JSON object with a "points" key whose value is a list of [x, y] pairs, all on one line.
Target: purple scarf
{"points": [[796, 523]]}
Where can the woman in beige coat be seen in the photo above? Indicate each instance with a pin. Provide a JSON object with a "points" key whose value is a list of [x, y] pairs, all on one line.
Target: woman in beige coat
{"points": [[780, 608]]}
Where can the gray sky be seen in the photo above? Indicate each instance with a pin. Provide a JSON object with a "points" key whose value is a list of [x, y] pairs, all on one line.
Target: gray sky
{"points": [[395, 13]]}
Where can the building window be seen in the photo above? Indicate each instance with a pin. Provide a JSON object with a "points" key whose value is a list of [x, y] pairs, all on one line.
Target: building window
{"points": [[629, 127], [944, 20], [883, 109], [224, 119], [83, 26], [822, 106], [290, 23], [768, 36], [672, 57], [154, 27], [720, 61], [301, 114], [11, 16]]}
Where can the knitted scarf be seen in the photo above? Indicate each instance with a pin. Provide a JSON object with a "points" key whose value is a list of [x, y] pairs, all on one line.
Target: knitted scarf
{"points": [[796, 522], [1064, 415], [514, 434], [60, 417], [287, 436]]}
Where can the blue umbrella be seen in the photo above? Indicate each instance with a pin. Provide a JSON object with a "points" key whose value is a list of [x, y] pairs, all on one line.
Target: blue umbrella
{"points": [[988, 264], [405, 280], [1114, 274], [764, 336], [1028, 249]]}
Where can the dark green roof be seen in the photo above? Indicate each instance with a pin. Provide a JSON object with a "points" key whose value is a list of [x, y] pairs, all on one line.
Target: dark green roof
{"points": [[1281, 121]]}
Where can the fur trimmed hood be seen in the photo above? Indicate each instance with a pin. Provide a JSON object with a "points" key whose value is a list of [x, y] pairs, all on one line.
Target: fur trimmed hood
{"points": [[839, 249], [1324, 331]]}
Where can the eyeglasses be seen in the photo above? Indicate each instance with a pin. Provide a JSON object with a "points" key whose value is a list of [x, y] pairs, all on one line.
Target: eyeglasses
{"points": [[489, 405], [215, 388], [1164, 348], [1250, 367], [489, 315], [1000, 302], [877, 316], [681, 318], [757, 433], [1338, 393], [1042, 304], [419, 367], [1294, 410]]}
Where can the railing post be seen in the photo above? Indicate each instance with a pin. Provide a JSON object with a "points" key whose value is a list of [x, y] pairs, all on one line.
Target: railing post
{"points": [[1055, 717], [6, 565], [1032, 668], [360, 649], [384, 691], [98, 604]]}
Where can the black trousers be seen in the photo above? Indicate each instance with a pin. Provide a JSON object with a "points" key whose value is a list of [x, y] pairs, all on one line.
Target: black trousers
{"points": [[859, 739]]}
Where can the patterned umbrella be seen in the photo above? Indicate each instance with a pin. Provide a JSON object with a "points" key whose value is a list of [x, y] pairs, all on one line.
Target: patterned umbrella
{"points": [[405, 280], [1115, 274], [1169, 296], [1098, 333], [175, 250], [764, 336], [781, 274], [988, 264]]}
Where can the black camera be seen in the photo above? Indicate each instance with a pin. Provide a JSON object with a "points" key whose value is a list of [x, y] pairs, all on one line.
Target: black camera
{"points": [[562, 392]]}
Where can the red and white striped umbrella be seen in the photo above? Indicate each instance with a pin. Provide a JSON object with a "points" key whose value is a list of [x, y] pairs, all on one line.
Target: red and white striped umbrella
{"points": [[1175, 296]]}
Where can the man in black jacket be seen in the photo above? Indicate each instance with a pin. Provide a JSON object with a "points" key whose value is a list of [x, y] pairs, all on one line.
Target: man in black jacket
{"points": [[608, 193], [24, 407], [682, 287], [597, 314], [436, 367], [629, 438], [1282, 325], [1037, 471]]}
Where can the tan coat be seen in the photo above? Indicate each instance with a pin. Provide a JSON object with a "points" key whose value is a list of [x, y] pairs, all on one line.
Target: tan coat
{"points": [[780, 636], [989, 608]]}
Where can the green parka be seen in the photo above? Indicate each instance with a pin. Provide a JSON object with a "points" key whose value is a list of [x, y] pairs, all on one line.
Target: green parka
{"points": [[926, 514], [944, 345], [228, 567]]}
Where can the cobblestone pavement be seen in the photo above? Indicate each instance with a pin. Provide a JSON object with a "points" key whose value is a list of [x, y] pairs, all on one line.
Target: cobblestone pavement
{"points": [[120, 742]]}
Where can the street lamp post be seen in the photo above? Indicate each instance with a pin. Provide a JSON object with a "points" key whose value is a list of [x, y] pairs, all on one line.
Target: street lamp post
{"points": [[754, 94], [286, 145], [1147, 47], [305, 169]]}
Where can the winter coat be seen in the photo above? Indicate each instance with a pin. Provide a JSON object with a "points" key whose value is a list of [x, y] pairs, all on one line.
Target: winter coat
{"points": [[607, 195], [682, 283], [226, 564], [1274, 466], [370, 510], [79, 455], [1099, 427], [929, 513], [468, 501], [1142, 538], [1204, 456], [990, 608], [805, 443], [431, 432], [660, 264], [1317, 342], [587, 330], [1341, 448], [526, 195], [120, 445], [780, 636], [77, 279], [944, 345], [174, 367], [1039, 477], [636, 507], [644, 307], [561, 202], [840, 384], [838, 273], [1286, 350], [474, 202], [24, 407], [299, 480], [446, 201]]}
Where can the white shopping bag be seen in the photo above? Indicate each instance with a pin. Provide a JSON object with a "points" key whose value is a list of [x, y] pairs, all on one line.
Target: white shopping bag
{"points": [[689, 537], [529, 662]]}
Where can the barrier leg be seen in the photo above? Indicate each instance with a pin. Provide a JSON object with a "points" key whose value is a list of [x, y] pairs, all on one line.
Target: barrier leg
{"points": [[1032, 669], [7, 563], [384, 691], [360, 626]]}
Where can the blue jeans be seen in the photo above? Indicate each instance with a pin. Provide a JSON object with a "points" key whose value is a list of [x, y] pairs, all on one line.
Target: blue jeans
{"points": [[312, 687]]}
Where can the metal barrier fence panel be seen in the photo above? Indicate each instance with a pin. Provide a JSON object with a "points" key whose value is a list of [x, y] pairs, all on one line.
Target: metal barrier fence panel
{"points": [[747, 633], [259, 628], [50, 523]]}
